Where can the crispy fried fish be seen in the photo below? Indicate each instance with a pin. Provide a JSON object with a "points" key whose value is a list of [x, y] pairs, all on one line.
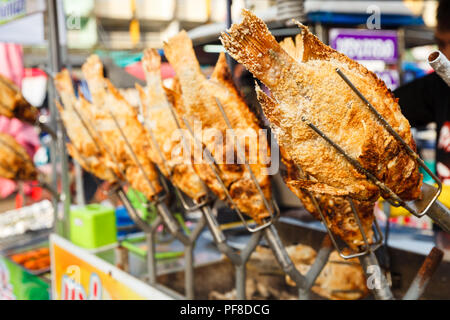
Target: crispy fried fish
{"points": [[311, 90], [159, 118], [199, 107], [13, 104], [15, 163], [84, 146], [336, 210], [108, 107]]}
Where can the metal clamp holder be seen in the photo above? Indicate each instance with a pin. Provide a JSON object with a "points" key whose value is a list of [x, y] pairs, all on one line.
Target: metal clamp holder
{"points": [[367, 257], [267, 229]]}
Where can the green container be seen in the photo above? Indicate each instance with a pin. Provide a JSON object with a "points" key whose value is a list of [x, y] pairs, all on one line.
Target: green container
{"points": [[93, 226]]}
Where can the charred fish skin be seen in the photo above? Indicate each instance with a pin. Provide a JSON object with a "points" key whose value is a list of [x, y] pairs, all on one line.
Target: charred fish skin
{"points": [[311, 90]]}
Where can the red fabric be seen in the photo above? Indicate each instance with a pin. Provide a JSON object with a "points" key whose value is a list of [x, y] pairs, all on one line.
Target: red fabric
{"points": [[136, 70]]}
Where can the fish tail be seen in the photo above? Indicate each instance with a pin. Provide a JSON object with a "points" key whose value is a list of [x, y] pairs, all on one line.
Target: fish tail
{"points": [[180, 53], [251, 44]]}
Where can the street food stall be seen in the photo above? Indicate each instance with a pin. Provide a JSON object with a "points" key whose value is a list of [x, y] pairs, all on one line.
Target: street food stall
{"points": [[191, 208]]}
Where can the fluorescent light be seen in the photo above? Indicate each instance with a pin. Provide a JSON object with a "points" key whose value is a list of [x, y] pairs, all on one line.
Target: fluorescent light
{"points": [[213, 48]]}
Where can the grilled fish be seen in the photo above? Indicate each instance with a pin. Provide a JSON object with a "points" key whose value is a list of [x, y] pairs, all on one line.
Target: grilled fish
{"points": [[15, 163], [337, 211], [13, 104], [200, 107], [159, 119], [85, 146], [112, 115], [311, 91]]}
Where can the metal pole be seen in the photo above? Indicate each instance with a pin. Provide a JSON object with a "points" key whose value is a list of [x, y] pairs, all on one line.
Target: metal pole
{"points": [[229, 21], [189, 271], [424, 275], [379, 286], [151, 261], [240, 281], [55, 122], [52, 15], [316, 268], [79, 184]]}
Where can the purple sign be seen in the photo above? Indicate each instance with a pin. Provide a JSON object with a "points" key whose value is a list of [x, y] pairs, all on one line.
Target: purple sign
{"points": [[390, 77], [361, 44]]}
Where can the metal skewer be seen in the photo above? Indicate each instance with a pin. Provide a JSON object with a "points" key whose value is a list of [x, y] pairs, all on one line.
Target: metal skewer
{"points": [[304, 283], [429, 208], [171, 223], [165, 214], [432, 207]]}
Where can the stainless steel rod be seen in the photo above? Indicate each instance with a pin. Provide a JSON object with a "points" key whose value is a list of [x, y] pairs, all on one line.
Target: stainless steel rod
{"points": [[150, 259], [132, 211], [189, 271], [426, 271], [190, 261], [171, 223], [55, 64], [440, 214], [282, 256], [241, 275], [379, 286]]}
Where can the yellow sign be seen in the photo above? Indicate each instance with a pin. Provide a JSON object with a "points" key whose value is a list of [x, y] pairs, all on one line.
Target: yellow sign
{"points": [[80, 275]]}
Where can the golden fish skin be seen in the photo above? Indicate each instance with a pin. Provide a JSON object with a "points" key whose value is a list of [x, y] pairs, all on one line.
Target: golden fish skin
{"points": [[108, 104], [84, 148], [199, 104], [159, 119], [15, 163], [312, 90]]}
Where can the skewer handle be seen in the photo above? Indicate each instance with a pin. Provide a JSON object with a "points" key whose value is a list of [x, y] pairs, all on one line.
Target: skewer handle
{"points": [[440, 214], [424, 275]]}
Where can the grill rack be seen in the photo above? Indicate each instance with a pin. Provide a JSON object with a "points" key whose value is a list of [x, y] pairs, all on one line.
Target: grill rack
{"points": [[433, 208], [267, 230], [368, 247], [304, 283], [165, 216]]}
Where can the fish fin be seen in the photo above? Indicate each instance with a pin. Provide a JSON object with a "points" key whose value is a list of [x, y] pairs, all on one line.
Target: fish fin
{"points": [[268, 105], [294, 49], [317, 187], [151, 62], [221, 71]]}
